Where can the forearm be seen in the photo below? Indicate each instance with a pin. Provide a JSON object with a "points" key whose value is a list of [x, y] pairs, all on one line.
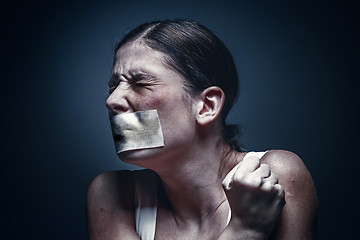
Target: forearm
{"points": [[234, 232]]}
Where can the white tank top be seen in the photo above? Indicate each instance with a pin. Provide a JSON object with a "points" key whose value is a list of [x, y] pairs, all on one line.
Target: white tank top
{"points": [[145, 203]]}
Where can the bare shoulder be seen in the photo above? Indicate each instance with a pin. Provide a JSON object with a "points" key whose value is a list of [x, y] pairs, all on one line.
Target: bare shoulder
{"points": [[299, 215], [110, 206], [110, 185], [290, 169]]}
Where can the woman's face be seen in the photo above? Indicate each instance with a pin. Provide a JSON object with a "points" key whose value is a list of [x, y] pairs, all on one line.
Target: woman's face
{"points": [[142, 81]]}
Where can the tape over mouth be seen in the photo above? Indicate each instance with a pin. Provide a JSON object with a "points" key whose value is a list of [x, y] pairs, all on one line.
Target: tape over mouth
{"points": [[138, 130]]}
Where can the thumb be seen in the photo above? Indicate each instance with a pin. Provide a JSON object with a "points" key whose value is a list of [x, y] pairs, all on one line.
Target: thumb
{"points": [[226, 183]]}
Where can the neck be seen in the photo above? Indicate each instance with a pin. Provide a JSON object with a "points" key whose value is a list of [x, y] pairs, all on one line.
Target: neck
{"points": [[193, 183]]}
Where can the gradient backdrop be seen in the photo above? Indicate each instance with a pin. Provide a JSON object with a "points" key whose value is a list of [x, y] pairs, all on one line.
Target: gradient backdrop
{"points": [[299, 70]]}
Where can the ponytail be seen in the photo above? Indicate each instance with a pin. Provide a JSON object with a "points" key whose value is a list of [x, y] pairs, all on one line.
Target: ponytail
{"points": [[231, 135]]}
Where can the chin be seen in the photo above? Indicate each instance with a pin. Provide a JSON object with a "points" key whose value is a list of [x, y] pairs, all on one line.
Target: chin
{"points": [[138, 156]]}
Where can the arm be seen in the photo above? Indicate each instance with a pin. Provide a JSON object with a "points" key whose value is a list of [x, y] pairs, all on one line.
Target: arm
{"points": [[299, 215], [255, 198], [110, 207], [256, 209]]}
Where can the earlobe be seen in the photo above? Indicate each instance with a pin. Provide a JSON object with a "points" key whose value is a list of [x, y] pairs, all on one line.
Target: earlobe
{"points": [[210, 105]]}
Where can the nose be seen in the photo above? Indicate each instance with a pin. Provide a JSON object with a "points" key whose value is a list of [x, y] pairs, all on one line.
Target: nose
{"points": [[117, 102]]}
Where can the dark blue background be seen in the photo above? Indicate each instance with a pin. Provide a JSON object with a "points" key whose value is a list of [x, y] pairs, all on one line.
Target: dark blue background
{"points": [[299, 69]]}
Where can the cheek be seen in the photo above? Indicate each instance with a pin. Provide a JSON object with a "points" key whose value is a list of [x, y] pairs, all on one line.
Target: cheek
{"points": [[154, 100]]}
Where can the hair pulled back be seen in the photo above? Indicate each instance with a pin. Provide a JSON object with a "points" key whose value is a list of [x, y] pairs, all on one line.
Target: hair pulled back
{"points": [[199, 56]]}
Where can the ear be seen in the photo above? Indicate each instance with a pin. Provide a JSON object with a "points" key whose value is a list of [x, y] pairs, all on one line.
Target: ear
{"points": [[210, 104]]}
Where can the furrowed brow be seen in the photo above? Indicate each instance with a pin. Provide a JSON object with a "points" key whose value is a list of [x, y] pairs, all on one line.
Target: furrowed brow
{"points": [[142, 76]]}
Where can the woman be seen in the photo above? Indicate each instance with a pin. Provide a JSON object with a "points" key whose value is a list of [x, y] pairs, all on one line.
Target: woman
{"points": [[179, 78]]}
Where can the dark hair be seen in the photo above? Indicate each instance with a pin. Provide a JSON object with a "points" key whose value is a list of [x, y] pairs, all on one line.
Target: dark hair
{"points": [[199, 56]]}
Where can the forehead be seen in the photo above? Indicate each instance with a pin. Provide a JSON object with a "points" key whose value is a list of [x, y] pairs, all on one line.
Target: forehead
{"points": [[137, 57]]}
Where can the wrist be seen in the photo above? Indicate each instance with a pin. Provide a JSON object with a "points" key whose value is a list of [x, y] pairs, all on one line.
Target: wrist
{"points": [[237, 231]]}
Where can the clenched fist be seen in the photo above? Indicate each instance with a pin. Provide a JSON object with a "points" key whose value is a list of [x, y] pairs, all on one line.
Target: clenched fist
{"points": [[255, 197]]}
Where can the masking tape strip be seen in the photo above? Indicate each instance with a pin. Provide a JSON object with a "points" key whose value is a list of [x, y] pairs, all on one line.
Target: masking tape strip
{"points": [[138, 130]]}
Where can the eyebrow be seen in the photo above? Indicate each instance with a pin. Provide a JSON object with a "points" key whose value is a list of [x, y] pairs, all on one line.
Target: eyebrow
{"points": [[141, 76], [132, 78]]}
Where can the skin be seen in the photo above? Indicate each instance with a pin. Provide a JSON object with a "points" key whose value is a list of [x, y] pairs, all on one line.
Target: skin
{"points": [[192, 166]]}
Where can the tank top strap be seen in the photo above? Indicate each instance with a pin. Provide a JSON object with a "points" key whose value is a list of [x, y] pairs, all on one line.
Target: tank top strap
{"points": [[256, 154], [145, 203]]}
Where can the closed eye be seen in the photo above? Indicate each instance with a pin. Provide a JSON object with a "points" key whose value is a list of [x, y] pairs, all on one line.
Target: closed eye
{"points": [[136, 81], [142, 80], [141, 84]]}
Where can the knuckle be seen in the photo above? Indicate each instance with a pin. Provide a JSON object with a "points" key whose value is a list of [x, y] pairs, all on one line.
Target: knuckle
{"points": [[279, 189], [252, 161], [252, 180], [265, 170], [267, 186], [265, 166], [273, 178]]}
